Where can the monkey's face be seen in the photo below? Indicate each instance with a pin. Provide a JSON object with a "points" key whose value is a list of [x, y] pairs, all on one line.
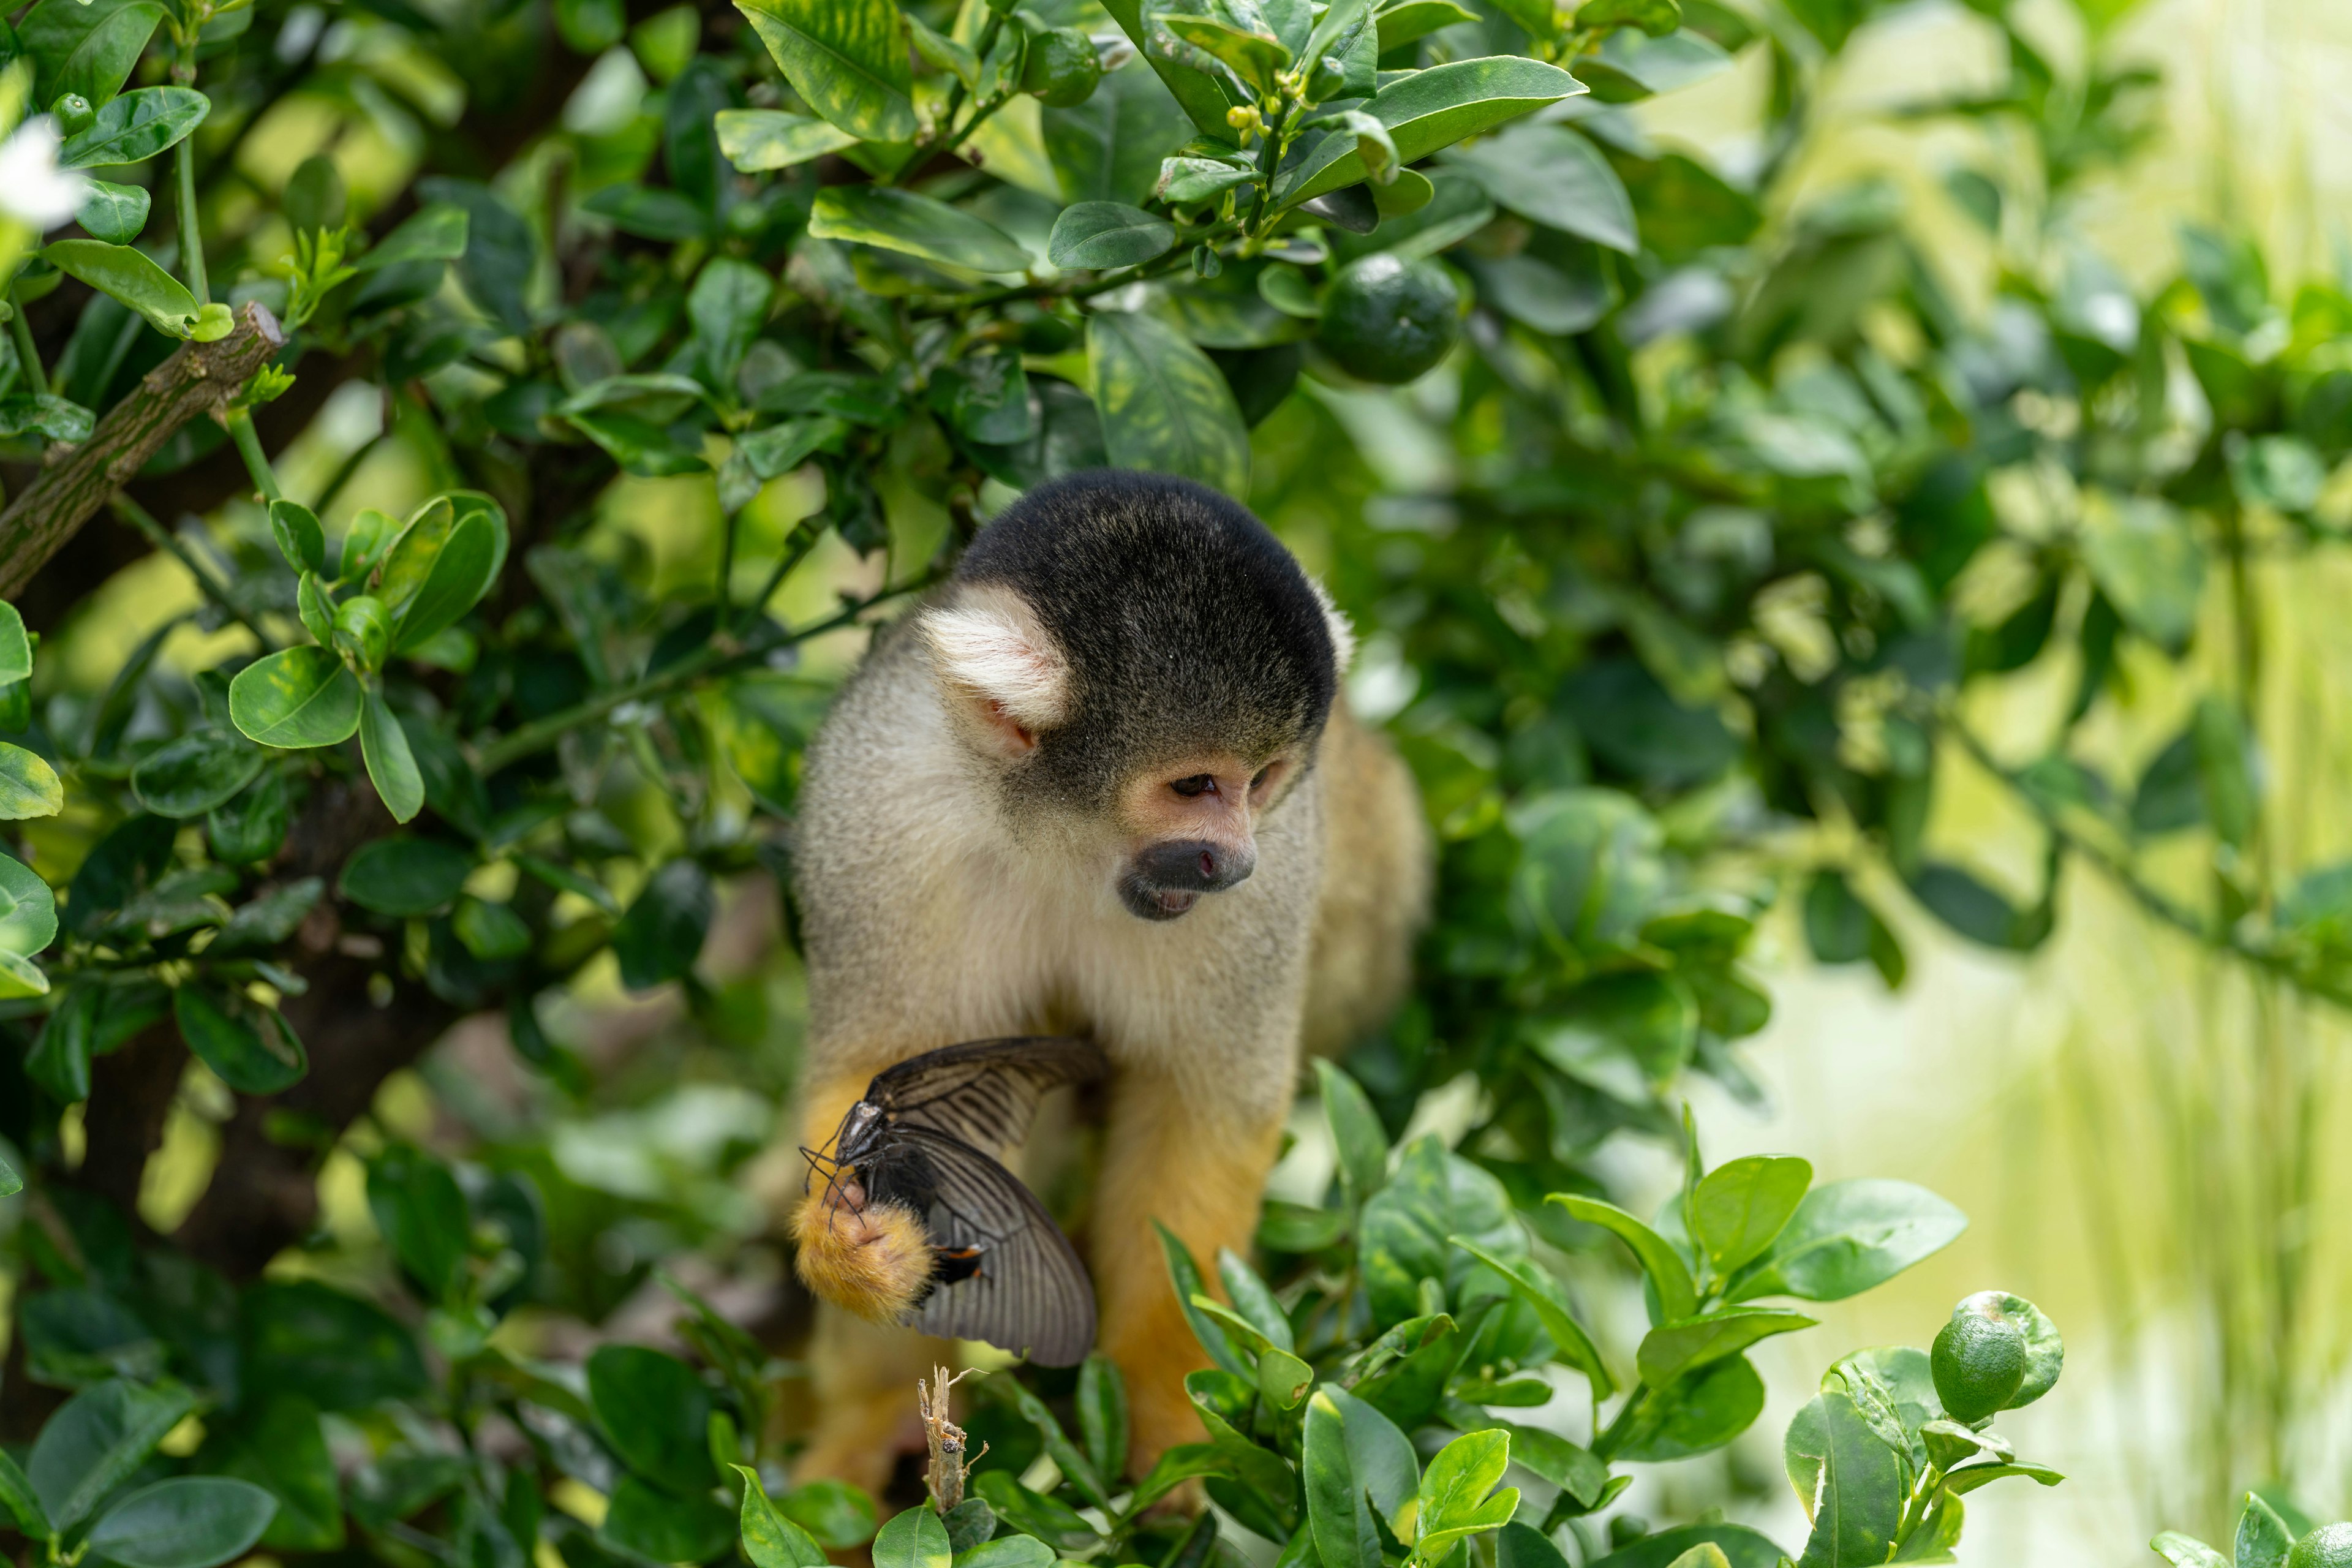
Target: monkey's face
{"points": [[1191, 827]]}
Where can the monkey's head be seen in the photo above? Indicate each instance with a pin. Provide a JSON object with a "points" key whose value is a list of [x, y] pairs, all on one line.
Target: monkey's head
{"points": [[1144, 671]]}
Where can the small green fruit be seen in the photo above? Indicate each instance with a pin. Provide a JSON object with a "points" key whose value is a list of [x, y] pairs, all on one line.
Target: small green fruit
{"points": [[1063, 68], [1979, 1362], [2329, 1546], [1389, 319]]}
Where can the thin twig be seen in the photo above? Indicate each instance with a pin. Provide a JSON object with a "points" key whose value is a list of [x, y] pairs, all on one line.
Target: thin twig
{"points": [[945, 1473], [140, 518]]}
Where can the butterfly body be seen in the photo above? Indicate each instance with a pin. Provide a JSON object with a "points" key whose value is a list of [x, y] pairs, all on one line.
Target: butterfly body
{"points": [[916, 1219]]}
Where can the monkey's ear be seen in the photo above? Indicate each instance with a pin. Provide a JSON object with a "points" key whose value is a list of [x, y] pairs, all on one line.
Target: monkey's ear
{"points": [[990, 645], [1343, 635]]}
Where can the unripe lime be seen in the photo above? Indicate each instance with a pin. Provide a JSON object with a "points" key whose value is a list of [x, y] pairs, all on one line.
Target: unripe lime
{"points": [[1062, 68], [1389, 319], [2329, 1546], [1979, 1362]]}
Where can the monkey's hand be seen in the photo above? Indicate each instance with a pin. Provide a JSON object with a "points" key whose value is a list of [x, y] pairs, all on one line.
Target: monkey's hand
{"points": [[875, 1259]]}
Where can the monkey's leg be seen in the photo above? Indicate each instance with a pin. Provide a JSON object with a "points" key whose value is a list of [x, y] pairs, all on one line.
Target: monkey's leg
{"points": [[1199, 1171], [863, 1374]]}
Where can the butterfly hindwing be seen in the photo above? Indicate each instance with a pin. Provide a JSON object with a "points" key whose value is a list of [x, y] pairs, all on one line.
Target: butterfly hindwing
{"points": [[983, 1092]]}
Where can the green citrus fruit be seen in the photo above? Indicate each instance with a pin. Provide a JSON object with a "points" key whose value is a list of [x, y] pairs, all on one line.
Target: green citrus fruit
{"points": [[1389, 319], [1062, 68], [1979, 1362], [2329, 1546]]}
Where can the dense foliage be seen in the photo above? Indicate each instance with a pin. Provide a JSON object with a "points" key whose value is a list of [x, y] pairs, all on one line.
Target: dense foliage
{"points": [[1713, 515]]}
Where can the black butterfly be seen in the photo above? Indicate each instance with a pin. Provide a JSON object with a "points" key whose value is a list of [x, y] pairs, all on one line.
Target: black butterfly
{"points": [[930, 1134]]}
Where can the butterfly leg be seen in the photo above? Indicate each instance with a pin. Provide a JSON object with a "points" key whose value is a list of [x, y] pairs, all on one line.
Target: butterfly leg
{"points": [[1199, 1171]]}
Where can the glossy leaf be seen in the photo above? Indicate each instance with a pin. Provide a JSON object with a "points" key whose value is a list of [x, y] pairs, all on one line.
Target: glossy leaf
{"points": [[1552, 175], [847, 59], [1743, 1203], [1364, 1144], [93, 1443], [114, 214], [198, 772], [770, 1539], [405, 877], [914, 1539], [654, 1412], [188, 1522], [1108, 234], [1164, 406], [915, 226], [29, 786], [130, 276], [757, 141], [1429, 110], [300, 538], [1668, 1275], [1849, 1236], [302, 697], [1674, 1348], [436, 233], [1568, 1336], [134, 128], [88, 50], [1354, 1461], [1856, 1493], [1103, 1415], [28, 923], [649, 1523], [251, 1048], [15, 647]]}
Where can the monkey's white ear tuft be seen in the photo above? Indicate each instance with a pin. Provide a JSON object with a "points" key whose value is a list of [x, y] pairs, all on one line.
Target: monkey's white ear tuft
{"points": [[1343, 635], [990, 644]]}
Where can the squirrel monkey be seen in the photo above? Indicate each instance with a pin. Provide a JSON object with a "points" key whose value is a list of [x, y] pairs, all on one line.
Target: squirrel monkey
{"points": [[1102, 784]]}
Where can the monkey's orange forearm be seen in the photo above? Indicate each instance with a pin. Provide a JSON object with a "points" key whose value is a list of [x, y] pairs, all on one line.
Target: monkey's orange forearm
{"points": [[1200, 1176]]}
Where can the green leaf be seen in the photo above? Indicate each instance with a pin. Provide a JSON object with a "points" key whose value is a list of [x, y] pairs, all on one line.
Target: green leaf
{"points": [[913, 1539], [1552, 175], [1106, 234], [114, 214], [15, 647], [727, 305], [1185, 1274], [1855, 1492], [847, 59], [86, 48], [1165, 406], [915, 226], [2045, 1352], [43, 414], [651, 1523], [130, 277], [1850, 1236], [837, 1514], [2186, 1551], [195, 774], [1655, 17], [654, 1412], [1568, 1336], [1429, 110], [1744, 1547], [1007, 1552], [1964, 1481], [302, 697], [1401, 24], [16, 1495], [188, 1522], [640, 446], [1102, 1415], [1202, 97], [1700, 1412], [1742, 1204], [343, 1353], [300, 538], [2263, 1538], [490, 931], [1458, 1496], [436, 233], [1630, 64], [29, 786], [1254, 55], [1076, 1466], [252, 1049], [2144, 556], [134, 128], [1109, 148], [1668, 1275], [441, 586], [10, 1184], [770, 1539], [1363, 1143], [1674, 1348], [661, 935], [1354, 1461], [276, 1443], [94, 1442], [423, 1218], [403, 877], [756, 140]]}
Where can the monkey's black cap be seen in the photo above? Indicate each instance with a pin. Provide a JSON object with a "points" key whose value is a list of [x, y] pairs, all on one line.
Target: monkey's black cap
{"points": [[1186, 624]]}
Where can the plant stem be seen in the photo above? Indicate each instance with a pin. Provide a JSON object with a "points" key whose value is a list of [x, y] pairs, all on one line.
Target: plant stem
{"points": [[248, 447], [707, 663], [163, 538], [725, 574], [28, 353], [183, 159]]}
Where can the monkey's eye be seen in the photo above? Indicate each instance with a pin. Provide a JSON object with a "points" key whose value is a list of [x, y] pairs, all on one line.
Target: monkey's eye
{"points": [[1199, 784], [1264, 774]]}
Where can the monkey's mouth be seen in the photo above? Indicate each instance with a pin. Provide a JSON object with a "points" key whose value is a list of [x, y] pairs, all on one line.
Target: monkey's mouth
{"points": [[1147, 903]]}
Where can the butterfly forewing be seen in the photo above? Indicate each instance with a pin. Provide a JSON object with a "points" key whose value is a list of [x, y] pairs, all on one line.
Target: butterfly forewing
{"points": [[1028, 1292], [982, 1092]]}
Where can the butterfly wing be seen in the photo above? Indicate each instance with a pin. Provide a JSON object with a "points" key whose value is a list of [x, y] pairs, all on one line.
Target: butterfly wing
{"points": [[1026, 1290], [984, 1093]]}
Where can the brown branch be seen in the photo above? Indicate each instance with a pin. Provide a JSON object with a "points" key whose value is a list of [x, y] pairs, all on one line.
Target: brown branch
{"points": [[198, 379]]}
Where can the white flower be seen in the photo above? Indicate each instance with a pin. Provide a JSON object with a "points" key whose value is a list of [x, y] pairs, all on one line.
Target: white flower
{"points": [[32, 187]]}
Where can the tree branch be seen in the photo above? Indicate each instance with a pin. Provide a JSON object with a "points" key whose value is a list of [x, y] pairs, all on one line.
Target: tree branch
{"points": [[198, 379]]}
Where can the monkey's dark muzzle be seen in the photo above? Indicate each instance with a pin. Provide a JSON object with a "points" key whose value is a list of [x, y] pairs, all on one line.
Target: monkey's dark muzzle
{"points": [[1167, 879]]}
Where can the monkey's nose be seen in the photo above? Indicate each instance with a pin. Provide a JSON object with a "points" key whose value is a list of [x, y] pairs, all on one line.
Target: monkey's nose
{"points": [[1195, 866]]}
